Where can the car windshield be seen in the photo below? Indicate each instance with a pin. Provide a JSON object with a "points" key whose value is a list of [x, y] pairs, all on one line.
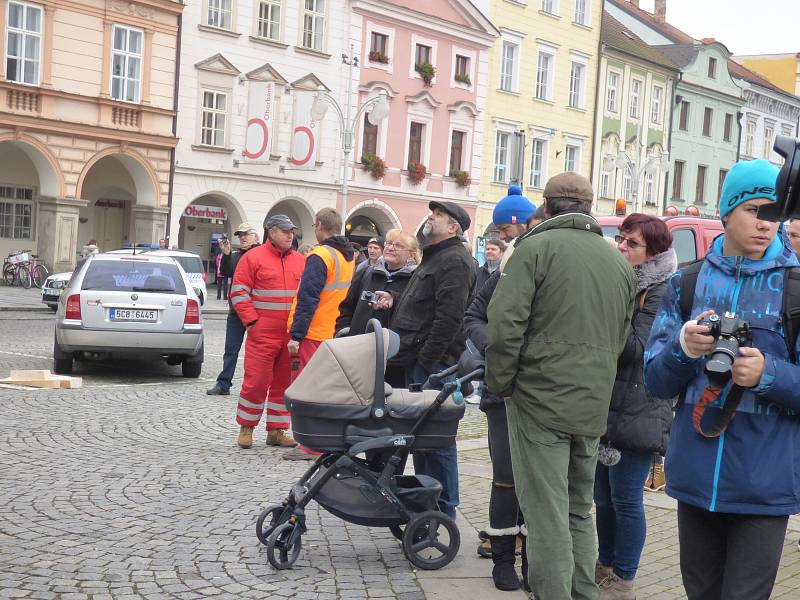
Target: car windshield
{"points": [[190, 264], [610, 231], [133, 276]]}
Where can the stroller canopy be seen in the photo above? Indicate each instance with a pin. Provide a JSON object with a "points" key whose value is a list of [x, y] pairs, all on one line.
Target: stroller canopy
{"points": [[342, 371]]}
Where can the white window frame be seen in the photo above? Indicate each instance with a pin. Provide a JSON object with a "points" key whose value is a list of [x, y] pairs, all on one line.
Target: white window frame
{"points": [[380, 145], [604, 190], [635, 104], [502, 166], [787, 129], [549, 51], [534, 180], [25, 35], [15, 203], [550, 7], [712, 60], [433, 45], [389, 33], [271, 6], [221, 8], [472, 56], [768, 139], [749, 137], [576, 159], [217, 113], [509, 82], [127, 56], [612, 99], [656, 104], [627, 185], [314, 14], [577, 97], [418, 113], [587, 12], [649, 188]]}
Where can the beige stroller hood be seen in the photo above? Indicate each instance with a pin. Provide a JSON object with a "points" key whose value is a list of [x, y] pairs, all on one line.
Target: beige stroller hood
{"points": [[342, 371]]}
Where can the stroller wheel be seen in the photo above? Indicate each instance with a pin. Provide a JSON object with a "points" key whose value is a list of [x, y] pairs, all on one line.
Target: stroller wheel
{"points": [[431, 540], [269, 519], [283, 545], [397, 531]]}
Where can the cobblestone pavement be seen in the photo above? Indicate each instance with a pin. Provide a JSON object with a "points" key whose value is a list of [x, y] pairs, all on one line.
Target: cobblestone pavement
{"points": [[659, 573], [133, 487]]}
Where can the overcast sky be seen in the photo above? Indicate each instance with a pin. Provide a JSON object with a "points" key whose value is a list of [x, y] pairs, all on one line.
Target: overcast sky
{"points": [[744, 26]]}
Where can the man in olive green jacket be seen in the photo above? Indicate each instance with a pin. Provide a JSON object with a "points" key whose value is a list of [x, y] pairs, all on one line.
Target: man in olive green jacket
{"points": [[557, 324]]}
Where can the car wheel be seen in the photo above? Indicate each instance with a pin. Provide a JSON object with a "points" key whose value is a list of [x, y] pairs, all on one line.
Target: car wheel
{"points": [[53, 308], [62, 361], [191, 369]]}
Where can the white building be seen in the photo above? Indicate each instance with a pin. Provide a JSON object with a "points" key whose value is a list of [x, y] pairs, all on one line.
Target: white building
{"points": [[277, 53], [768, 112]]}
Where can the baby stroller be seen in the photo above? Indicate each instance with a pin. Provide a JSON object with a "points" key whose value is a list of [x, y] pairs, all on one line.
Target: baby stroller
{"points": [[342, 408]]}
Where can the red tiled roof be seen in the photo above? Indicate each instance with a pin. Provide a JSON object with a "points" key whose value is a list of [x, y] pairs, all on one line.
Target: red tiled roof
{"points": [[664, 28], [616, 35]]}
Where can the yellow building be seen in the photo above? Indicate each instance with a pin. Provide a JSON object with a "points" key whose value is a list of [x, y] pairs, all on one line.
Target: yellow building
{"points": [[540, 96], [782, 70]]}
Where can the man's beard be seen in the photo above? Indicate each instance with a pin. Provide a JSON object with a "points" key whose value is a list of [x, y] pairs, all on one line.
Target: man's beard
{"points": [[427, 229]]}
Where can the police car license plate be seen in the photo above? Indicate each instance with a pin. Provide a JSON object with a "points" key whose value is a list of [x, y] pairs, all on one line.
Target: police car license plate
{"points": [[132, 314], [52, 292]]}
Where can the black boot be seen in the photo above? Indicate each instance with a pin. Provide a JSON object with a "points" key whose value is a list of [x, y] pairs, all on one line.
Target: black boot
{"points": [[524, 573], [504, 574]]}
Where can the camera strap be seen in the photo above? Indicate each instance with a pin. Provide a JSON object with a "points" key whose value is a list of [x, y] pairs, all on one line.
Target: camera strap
{"points": [[709, 396]]}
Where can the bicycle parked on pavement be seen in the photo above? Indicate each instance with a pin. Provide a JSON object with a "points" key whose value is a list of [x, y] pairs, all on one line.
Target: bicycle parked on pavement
{"points": [[24, 269]]}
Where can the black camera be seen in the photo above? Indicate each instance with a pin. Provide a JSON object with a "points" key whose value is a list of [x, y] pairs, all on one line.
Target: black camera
{"points": [[368, 296], [787, 188], [729, 332]]}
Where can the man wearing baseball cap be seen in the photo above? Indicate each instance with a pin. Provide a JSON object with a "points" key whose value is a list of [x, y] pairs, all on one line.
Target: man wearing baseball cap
{"points": [[234, 330], [735, 479], [264, 285], [557, 323], [429, 318]]}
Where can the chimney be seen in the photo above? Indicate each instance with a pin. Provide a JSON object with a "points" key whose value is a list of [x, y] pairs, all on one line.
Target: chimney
{"points": [[660, 12]]}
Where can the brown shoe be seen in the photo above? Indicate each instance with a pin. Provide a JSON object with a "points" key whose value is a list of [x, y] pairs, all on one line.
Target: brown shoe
{"points": [[279, 437], [245, 437], [658, 480], [616, 588], [601, 572]]}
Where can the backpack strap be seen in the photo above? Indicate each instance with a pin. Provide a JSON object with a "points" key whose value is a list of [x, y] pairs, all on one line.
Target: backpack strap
{"points": [[642, 299], [689, 275], [790, 316]]}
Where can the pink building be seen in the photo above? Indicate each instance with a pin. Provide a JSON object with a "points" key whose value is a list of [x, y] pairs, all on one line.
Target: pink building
{"points": [[434, 70]]}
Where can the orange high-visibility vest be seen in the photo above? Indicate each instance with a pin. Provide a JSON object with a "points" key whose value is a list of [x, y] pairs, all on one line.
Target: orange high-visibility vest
{"points": [[337, 282]]}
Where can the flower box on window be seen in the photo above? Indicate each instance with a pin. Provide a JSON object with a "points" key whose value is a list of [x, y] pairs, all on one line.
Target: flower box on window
{"points": [[462, 78], [374, 164], [416, 172], [462, 178], [378, 57], [427, 71]]}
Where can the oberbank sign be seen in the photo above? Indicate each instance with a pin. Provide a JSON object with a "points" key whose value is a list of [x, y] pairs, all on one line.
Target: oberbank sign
{"points": [[199, 211]]}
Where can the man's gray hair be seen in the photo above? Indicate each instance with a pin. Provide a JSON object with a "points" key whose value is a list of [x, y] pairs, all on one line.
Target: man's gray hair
{"points": [[452, 221]]}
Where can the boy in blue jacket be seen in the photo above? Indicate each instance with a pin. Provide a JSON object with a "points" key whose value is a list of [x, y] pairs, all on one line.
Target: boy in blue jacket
{"points": [[735, 491]]}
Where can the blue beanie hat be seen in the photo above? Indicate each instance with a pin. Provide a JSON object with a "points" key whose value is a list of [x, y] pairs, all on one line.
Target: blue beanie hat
{"points": [[514, 209], [745, 181]]}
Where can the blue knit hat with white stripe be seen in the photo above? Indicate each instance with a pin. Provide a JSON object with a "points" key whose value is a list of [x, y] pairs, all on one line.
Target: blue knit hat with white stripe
{"points": [[513, 209]]}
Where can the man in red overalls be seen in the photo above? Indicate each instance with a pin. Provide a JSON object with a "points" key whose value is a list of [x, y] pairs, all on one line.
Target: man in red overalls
{"points": [[264, 286]]}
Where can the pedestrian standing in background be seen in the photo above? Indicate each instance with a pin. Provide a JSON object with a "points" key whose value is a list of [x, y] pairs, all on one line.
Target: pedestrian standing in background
{"points": [[429, 317], [263, 289], [494, 254], [222, 280], [324, 284], [558, 321], [638, 424], [793, 233], [234, 329], [305, 250], [374, 252]]}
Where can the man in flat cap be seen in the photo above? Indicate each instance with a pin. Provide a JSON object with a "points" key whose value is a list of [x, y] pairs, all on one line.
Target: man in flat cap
{"points": [[429, 319], [264, 286], [558, 322]]}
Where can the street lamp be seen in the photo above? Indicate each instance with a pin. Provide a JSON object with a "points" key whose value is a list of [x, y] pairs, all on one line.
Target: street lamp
{"points": [[377, 109], [651, 166]]}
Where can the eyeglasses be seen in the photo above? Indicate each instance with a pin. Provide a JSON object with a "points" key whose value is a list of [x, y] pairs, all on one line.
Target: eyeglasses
{"points": [[632, 244], [395, 245]]}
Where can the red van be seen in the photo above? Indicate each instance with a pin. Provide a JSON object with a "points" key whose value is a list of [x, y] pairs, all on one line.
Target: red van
{"points": [[692, 236]]}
